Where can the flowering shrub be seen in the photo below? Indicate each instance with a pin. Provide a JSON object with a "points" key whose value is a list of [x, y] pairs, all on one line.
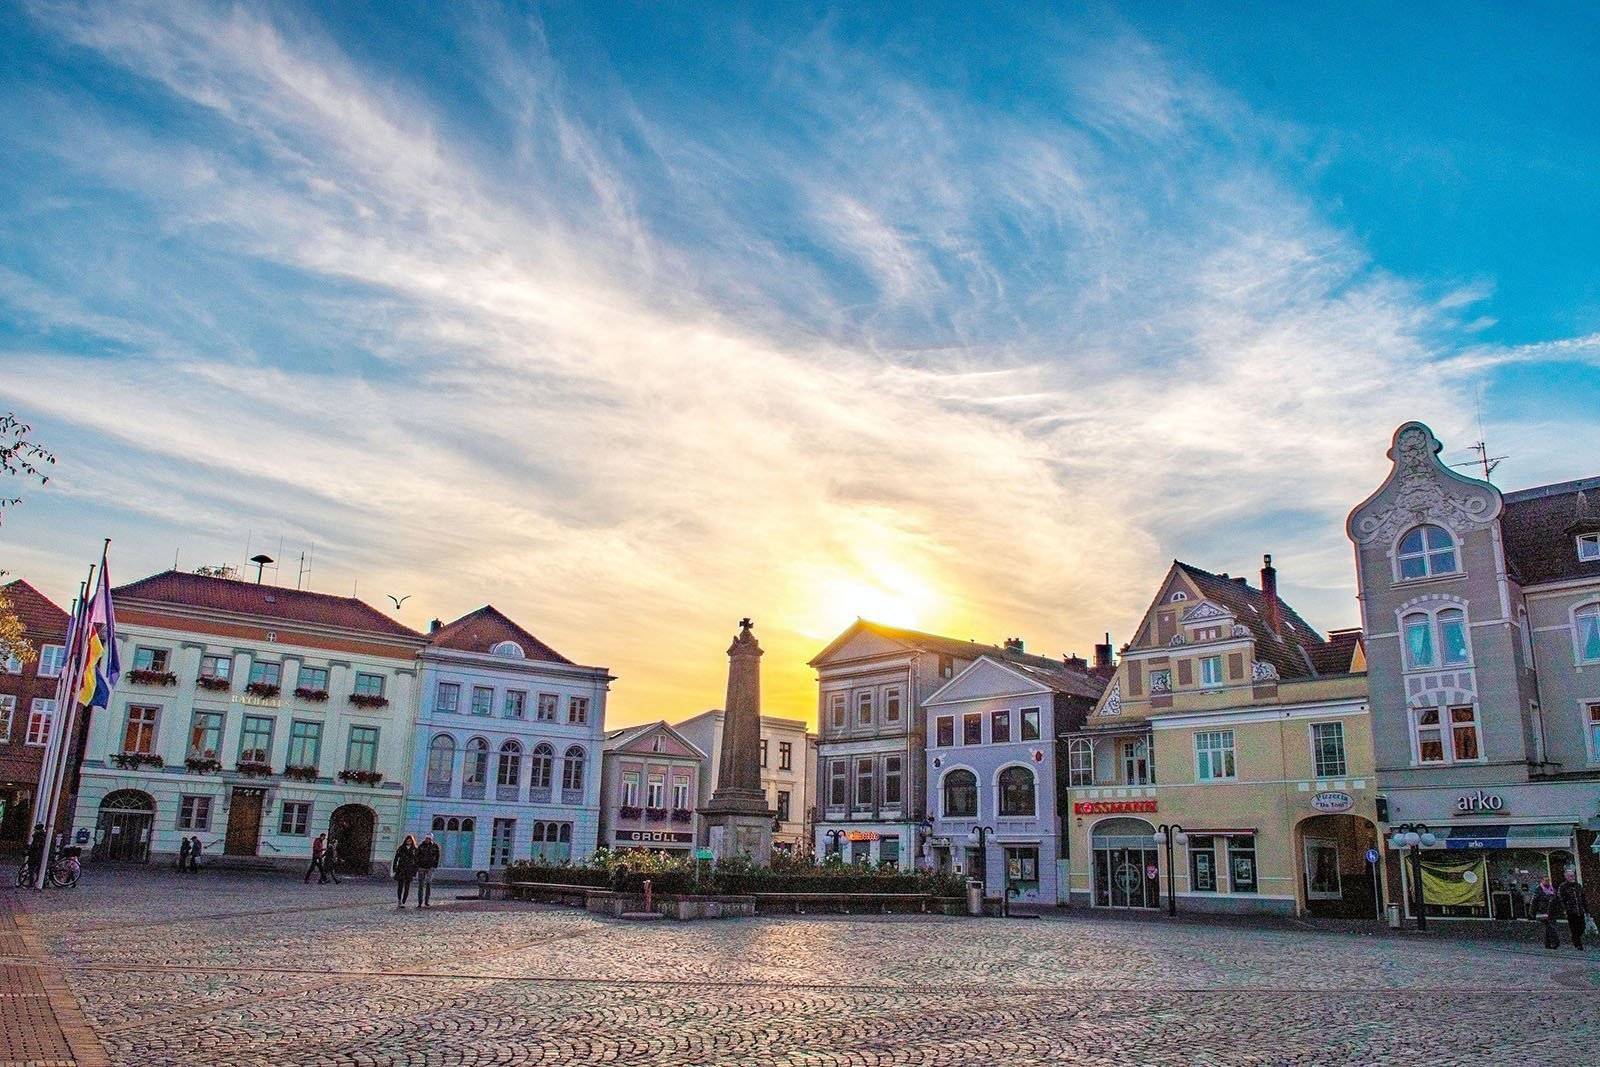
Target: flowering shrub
{"points": [[675, 873], [140, 677]]}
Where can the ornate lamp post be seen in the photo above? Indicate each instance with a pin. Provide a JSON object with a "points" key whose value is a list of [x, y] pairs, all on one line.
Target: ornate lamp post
{"points": [[1167, 834], [980, 836], [834, 837], [1414, 836]]}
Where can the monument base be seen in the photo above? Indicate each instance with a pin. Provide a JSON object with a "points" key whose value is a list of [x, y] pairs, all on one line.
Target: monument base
{"points": [[739, 835]]}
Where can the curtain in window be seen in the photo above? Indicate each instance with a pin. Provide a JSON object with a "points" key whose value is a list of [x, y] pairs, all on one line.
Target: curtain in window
{"points": [[1419, 641]]}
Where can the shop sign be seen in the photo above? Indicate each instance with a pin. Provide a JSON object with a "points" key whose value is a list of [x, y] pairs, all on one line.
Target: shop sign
{"points": [[1114, 807], [1478, 800], [654, 837], [1332, 802], [860, 835]]}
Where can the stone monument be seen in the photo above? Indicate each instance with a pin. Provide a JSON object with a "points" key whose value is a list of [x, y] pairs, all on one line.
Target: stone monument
{"points": [[737, 820]]}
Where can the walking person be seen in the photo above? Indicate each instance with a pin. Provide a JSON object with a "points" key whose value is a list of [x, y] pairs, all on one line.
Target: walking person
{"points": [[427, 863], [405, 869], [36, 849], [194, 854], [1569, 895], [317, 847], [330, 857], [1546, 906], [183, 856]]}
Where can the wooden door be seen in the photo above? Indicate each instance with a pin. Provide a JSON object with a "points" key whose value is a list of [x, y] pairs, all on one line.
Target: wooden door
{"points": [[244, 822]]}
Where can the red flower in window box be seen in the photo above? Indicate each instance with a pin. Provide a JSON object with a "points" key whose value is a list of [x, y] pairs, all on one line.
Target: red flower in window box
{"points": [[361, 777], [316, 696], [129, 761], [145, 677], [301, 774], [216, 685], [253, 768], [266, 690], [367, 700]]}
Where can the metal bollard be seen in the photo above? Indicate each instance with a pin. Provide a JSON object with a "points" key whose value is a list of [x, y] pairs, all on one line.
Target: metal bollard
{"points": [[647, 906]]}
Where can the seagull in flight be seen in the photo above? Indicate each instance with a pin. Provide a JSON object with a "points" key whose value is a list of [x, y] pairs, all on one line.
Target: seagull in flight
{"points": [[398, 600]]}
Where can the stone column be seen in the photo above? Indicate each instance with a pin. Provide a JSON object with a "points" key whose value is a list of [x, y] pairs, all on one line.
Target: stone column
{"points": [[736, 818]]}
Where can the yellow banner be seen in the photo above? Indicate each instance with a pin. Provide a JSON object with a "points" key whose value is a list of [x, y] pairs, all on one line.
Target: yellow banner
{"points": [[1459, 884]]}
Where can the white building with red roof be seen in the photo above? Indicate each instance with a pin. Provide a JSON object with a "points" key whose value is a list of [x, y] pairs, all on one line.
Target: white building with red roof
{"points": [[506, 763], [253, 717]]}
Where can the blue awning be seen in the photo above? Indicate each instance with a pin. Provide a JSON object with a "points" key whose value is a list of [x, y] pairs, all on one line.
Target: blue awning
{"points": [[1478, 837]]}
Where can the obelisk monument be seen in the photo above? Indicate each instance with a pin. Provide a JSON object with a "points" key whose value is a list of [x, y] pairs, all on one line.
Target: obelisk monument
{"points": [[737, 820]]}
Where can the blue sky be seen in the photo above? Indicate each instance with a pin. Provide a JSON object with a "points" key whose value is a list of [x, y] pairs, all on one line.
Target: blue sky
{"points": [[637, 319]]}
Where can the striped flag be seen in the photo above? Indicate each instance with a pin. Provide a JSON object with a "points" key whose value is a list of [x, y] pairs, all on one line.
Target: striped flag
{"points": [[101, 664]]}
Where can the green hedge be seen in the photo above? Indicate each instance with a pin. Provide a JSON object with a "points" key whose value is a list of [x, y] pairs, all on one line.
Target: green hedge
{"points": [[614, 872]]}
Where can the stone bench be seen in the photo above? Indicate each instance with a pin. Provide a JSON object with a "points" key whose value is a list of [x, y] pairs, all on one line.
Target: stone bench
{"points": [[847, 903]]}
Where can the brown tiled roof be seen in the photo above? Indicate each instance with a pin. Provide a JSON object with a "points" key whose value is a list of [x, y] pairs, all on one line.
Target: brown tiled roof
{"points": [[1335, 656], [1051, 672], [1293, 650], [268, 601], [40, 617], [1540, 528], [481, 630]]}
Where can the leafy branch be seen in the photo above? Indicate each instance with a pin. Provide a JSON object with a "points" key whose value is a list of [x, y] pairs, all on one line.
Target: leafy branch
{"points": [[21, 456]]}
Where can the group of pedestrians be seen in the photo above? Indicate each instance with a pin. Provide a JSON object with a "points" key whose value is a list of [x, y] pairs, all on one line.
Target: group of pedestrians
{"points": [[324, 854], [1558, 903], [189, 855], [415, 862]]}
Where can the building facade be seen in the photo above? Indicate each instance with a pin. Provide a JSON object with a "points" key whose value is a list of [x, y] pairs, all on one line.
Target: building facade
{"points": [[254, 718], [1236, 734], [508, 738], [650, 789], [991, 767], [783, 770], [27, 709], [1483, 615]]}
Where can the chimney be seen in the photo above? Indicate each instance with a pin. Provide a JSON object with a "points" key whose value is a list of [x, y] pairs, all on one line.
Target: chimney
{"points": [[435, 626], [1269, 590], [1102, 653], [1075, 662], [1013, 644]]}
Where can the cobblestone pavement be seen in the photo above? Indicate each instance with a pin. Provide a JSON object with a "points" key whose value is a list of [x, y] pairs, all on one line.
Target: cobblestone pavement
{"points": [[258, 970]]}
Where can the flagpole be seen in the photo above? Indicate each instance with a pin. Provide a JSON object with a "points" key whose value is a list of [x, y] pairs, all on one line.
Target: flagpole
{"points": [[66, 692], [70, 725]]}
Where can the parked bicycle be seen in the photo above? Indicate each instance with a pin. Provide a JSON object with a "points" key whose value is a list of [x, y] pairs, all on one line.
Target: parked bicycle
{"points": [[62, 872]]}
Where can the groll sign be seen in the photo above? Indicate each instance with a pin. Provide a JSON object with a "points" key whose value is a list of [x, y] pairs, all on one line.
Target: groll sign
{"points": [[653, 837], [1114, 807]]}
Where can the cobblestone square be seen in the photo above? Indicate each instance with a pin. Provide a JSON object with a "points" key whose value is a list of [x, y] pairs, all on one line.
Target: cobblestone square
{"points": [[259, 970]]}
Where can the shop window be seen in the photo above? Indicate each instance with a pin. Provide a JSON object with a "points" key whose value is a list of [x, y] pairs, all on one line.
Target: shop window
{"points": [[1322, 869], [1425, 552], [1242, 864], [889, 851], [1022, 867], [1202, 865]]}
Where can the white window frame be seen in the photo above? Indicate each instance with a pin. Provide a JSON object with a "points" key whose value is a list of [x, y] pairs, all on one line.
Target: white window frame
{"points": [[868, 779], [1080, 775], [838, 775], [41, 715], [152, 721], [680, 794], [655, 790], [864, 708], [1588, 546], [1425, 555], [630, 790], [1447, 728], [519, 698], [197, 804], [1590, 711], [305, 675], [152, 652], [1207, 678], [1580, 613], [549, 707], [453, 706], [368, 684], [578, 710], [1428, 616], [487, 704], [895, 775], [8, 714], [210, 663], [1223, 754], [295, 828], [893, 705], [1133, 751], [1344, 751], [51, 659]]}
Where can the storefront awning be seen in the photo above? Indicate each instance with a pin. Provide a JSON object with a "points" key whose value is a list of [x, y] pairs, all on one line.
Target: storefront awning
{"points": [[1505, 835]]}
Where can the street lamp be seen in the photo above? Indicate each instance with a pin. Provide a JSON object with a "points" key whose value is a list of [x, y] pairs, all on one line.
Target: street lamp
{"points": [[834, 837], [1414, 836], [1167, 834], [980, 836]]}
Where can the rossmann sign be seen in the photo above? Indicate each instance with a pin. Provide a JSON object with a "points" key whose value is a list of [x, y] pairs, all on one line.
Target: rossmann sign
{"points": [[1114, 807]]}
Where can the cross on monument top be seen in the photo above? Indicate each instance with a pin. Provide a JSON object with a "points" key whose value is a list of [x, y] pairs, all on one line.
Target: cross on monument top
{"points": [[746, 625]]}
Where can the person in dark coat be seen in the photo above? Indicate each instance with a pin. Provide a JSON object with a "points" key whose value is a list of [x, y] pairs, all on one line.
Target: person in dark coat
{"points": [[183, 855], [36, 848], [194, 854], [317, 847], [330, 856], [1569, 899], [427, 861], [405, 869], [1545, 906]]}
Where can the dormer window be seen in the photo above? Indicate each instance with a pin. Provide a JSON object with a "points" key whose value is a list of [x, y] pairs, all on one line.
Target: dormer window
{"points": [[1427, 551], [1179, 595], [1589, 546], [508, 649]]}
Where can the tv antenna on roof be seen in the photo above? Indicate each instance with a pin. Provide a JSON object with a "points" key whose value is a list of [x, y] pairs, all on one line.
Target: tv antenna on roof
{"points": [[1487, 462]]}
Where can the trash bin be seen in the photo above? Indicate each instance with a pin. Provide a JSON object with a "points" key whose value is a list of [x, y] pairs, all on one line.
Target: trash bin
{"points": [[974, 896], [1394, 916]]}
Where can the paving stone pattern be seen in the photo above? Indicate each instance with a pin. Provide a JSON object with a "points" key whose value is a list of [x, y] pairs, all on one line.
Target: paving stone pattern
{"points": [[248, 969]]}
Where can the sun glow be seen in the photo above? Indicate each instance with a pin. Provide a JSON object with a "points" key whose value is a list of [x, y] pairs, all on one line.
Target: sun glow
{"points": [[884, 594]]}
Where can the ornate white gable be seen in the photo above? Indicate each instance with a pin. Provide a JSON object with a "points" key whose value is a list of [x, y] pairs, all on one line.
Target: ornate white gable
{"points": [[1205, 611], [1420, 490], [1113, 704]]}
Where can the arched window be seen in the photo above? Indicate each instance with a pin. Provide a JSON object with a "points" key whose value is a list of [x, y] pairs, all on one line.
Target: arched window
{"points": [[441, 761], [960, 795], [509, 649], [1426, 551], [475, 770], [510, 770], [540, 766], [1452, 623], [439, 824], [1437, 638], [1016, 791], [1587, 619], [1080, 762], [572, 770], [1419, 641]]}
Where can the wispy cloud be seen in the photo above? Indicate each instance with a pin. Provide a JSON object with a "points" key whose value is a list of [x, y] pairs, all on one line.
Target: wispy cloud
{"points": [[903, 351]]}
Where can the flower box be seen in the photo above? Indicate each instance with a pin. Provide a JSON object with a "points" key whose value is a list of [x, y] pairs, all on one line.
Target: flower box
{"points": [[266, 690], [253, 768], [142, 677], [134, 760], [367, 700], [301, 774], [316, 696], [627, 811], [216, 685], [656, 814], [361, 777], [203, 764], [682, 815]]}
